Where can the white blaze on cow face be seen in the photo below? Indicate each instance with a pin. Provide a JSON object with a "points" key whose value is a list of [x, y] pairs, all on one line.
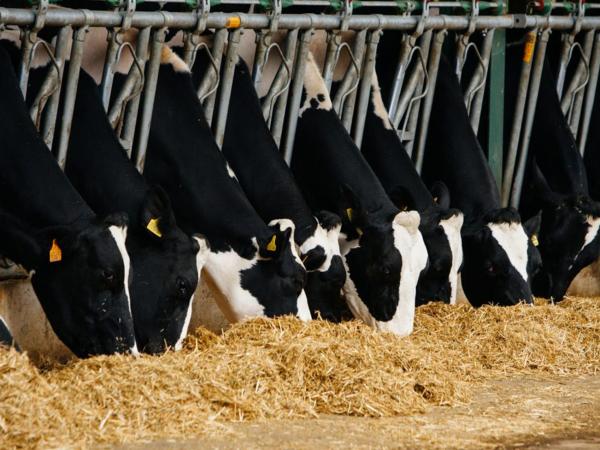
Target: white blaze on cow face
{"points": [[119, 234], [326, 239], [593, 224], [409, 242], [168, 56], [378, 106], [284, 224], [225, 269], [201, 258], [314, 88], [514, 241], [452, 227]]}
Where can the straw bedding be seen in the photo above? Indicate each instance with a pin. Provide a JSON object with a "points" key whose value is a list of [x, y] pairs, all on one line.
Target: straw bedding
{"points": [[286, 369]]}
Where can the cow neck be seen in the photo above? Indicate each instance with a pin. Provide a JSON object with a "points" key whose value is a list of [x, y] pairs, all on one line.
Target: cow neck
{"points": [[96, 159], [326, 159], [32, 186], [254, 157], [552, 142], [184, 159], [391, 163], [453, 154]]}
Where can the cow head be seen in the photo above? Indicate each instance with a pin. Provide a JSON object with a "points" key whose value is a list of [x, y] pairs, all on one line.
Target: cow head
{"points": [[80, 276], [384, 257], [500, 258], [166, 264], [264, 277], [326, 275]]}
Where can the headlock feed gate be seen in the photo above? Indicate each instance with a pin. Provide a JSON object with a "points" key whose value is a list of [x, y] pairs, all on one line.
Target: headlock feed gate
{"points": [[352, 28]]}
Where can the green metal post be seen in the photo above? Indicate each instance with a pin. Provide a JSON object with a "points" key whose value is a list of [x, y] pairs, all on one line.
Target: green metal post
{"points": [[496, 105]]}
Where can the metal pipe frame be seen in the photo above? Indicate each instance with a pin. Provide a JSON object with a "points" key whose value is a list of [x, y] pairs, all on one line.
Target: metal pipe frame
{"points": [[151, 80], [432, 69], [345, 98], [480, 74], [296, 93], [534, 86], [590, 95], [406, 45], [575, 113], [231, 59], [70, 94], [515, 134], [210, 77]]}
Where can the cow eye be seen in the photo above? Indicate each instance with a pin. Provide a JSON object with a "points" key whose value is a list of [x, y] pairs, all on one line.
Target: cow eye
{"points": [[182, 287], [108, 275]]}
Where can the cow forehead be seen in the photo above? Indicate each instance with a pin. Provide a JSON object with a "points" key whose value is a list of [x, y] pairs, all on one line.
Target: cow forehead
{"points": [[593, 226], [328, 240], [512, 239], [452, 228], [314, 87]]}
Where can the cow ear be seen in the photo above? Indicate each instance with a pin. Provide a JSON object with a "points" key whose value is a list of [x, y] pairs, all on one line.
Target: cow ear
{"points": [[328, 220], [276, 244], [441, 194], [402, 198], [156, 214], [352, 210], [532, 227], [19, 243]]}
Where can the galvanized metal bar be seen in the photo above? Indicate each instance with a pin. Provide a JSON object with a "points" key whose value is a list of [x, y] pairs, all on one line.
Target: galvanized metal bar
{"points": [[578, 102], [515, 134], [590, 95], [70, 94], [108, 71], [365, 86], [51, 110], [296, 93], [231, 59], [348, 101], [534, 86], [432, 70], [260, 56], [495, 144], [278, 116], [334, 41], [406, 45], [151, 77], [414, 84], [481, 74], [567, 42], [131, 111], [27, 42], [210, 77]]}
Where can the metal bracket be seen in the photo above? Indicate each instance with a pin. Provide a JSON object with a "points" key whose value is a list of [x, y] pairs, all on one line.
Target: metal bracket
{"points": [[274, 15], [345, 14]]}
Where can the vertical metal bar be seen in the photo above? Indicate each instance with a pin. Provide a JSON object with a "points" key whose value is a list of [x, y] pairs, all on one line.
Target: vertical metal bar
{"points": [[231, 59], [27, 42], [108, 71], [210, 77], [590, 95], [405, 47], [259, 56], [478, 99], [515, 134], [151, 77], [348, 105], [432, 70], [365, 86], [534, 86], [296, 93], [279, 113], [578, 103], [131, 111], [331, 57], [70, 94], [461, 50], [495, 142], [414, 84], [49, 123], [567, 42]]}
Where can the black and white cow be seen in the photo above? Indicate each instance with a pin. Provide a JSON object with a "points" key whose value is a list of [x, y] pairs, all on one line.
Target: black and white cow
{"points": [[79, 263], [253, 265], [500, 257], [270, 186], [440, 226], [555, 182], [383, 250], [165, 262]]}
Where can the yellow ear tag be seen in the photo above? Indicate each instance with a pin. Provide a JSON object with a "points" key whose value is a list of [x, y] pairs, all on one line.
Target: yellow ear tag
{"points": [[534, 240], [272, 246], [152, 227], [349, 213], [55, 253]]}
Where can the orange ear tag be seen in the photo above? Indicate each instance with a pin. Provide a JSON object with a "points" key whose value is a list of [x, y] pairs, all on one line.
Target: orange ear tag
{"points": [[55, 253]]}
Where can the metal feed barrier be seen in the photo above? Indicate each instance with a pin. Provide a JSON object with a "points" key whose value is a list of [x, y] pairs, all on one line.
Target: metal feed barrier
{"points": [[425, 25]]}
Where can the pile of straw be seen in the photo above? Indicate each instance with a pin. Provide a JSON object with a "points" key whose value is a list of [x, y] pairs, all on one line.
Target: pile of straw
{"points": [[287, 369]]}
